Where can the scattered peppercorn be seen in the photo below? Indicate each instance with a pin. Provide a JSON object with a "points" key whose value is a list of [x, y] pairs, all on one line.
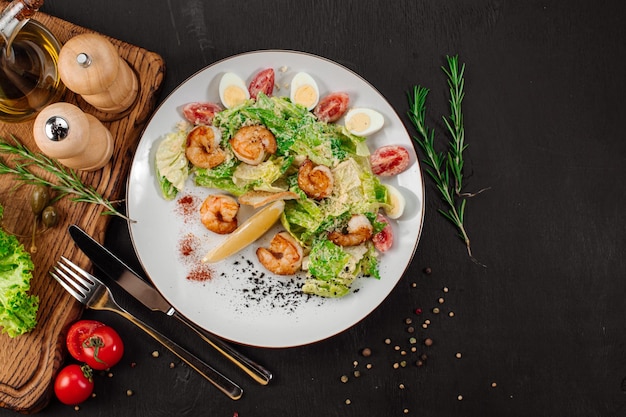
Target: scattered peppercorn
{"points": [[451, 314], [418, 311], [133, 364], [410, 329], [493, 385], [458, 355], [419, 362], [155, 354], [172, 365], [366, 352], [428, 271], [401, 386], [348, 402], [428, 342], [445, 289], [436, 310], [408, 320], [129, 393], [357, 374], [441, 300], [460, 397], [344, 378], [387, 341]]}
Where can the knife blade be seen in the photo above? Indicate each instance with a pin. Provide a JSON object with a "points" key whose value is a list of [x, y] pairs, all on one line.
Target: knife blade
{"points": [[132, 282]]}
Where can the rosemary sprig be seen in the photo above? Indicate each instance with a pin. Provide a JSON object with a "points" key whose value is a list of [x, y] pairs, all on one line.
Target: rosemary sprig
{"points": [[446, 169], [454, 123], [68, 180]]}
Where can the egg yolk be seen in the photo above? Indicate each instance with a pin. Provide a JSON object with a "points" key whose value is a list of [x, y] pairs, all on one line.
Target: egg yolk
{"points": [[358, 122], [234, 95], [305, 95]]}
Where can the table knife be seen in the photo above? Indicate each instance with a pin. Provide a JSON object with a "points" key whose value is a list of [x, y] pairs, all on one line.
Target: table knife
{"points": [[128, 279]]}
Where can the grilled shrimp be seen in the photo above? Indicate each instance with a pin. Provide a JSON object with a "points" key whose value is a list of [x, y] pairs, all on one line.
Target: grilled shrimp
{"points": [[218, 213], [203, 147], [359, 230], [283, 257], [316, 181], [251, 143]]}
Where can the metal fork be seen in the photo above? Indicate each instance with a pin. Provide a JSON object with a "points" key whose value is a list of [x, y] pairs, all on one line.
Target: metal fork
{"points": [[91, 292]]}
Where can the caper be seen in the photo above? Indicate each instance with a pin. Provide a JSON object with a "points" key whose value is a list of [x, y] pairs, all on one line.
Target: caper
{"points": [[39, 199], [50, 216]]}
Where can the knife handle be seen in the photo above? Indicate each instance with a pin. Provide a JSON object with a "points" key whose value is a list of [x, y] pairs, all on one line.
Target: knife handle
{"points": [[224, 384], [253, 369]]}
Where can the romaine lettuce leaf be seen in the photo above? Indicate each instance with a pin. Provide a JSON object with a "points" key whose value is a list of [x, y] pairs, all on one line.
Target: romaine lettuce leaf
{"points": [[171, 164]]}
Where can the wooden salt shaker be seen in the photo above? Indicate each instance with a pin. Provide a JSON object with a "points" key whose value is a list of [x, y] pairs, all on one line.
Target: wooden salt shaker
{"points": [[90, 65], [77, 140]]}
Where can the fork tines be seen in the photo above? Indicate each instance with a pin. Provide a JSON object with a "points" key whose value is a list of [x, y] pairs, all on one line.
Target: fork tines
{"points": [[76, 281]]}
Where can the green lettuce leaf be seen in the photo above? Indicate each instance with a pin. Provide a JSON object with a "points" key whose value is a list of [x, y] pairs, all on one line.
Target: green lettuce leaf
{"points": [[18, 309]]}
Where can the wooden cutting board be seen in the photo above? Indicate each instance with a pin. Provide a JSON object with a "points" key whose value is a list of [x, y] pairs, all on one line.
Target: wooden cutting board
{"points": [[29, 363]]}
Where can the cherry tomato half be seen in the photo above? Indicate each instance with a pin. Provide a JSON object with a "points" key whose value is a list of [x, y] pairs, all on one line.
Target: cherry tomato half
{"points": [[332, 107], [73, 384], [383, 239], [200, 113], [389, 160], [263, 82], [95, 344]]}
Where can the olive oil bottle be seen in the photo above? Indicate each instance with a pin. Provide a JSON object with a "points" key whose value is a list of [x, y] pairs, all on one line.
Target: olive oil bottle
{"points": [[29, 53]]}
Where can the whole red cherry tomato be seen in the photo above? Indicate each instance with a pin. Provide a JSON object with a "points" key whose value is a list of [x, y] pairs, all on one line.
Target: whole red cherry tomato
{"points": [[263, 82], [73, 384], [332, 107], [200, 113], [95, 344]]}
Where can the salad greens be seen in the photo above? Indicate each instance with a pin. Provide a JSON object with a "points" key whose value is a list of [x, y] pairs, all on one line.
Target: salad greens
{"points": [[18, 309], [299, 135]]}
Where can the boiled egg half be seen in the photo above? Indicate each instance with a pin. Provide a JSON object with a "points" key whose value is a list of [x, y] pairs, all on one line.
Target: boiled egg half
{"points": [[233, 90], [395, 202], [304, 91], [363, 122]]}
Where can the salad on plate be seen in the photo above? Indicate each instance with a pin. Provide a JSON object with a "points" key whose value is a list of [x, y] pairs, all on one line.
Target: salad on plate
{"points": [[299, 159]]}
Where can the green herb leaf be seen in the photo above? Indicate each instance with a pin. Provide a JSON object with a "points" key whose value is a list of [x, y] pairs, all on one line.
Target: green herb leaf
{"points": [[446, 169], [68, 181]]}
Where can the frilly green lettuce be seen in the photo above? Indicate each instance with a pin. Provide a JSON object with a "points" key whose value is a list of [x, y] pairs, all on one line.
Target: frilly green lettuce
{"points": [[18, 309]]}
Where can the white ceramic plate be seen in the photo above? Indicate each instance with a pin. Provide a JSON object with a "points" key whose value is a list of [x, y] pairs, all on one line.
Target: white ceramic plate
{"points": [[241, 301]]}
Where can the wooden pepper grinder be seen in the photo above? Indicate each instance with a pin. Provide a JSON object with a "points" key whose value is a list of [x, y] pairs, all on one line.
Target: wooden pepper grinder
{"points": [[77, 140], [89, 65]]}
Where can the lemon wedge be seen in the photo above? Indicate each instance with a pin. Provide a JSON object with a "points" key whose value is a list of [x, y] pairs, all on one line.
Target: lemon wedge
{"points": [[249, 231]]}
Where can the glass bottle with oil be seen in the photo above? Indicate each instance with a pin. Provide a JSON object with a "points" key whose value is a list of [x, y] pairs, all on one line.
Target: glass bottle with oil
{"points": [[29, 52]]}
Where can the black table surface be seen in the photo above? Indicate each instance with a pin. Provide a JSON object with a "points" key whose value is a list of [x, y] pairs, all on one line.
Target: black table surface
{"points": [[539, 330]]}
